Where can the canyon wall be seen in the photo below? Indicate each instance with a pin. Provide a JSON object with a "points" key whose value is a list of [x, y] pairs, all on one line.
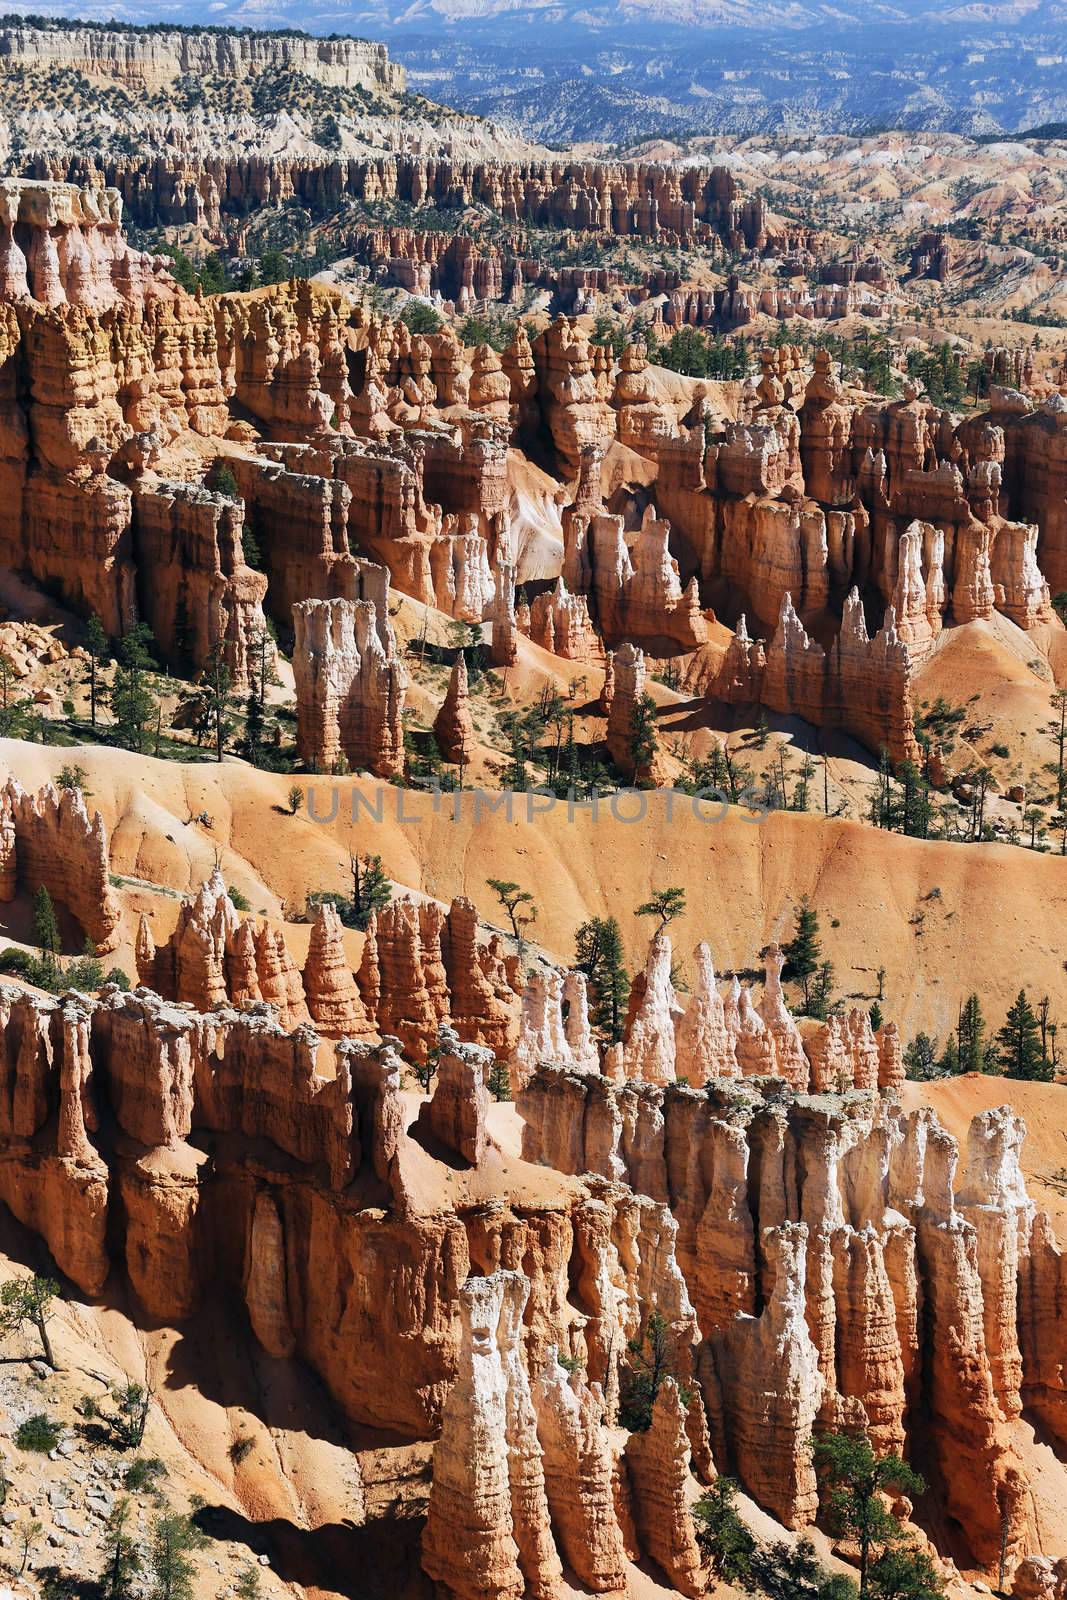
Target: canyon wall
{"points": [[815, 1238], [148, 59]]}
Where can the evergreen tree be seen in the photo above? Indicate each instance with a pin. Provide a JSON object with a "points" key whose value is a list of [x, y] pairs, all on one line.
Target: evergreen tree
{"points": [[133, 705], [643, 741], [920, 1058], [782, 1571], [876, 1017], [516, 729], [513, 899], [172, 1542], [252, 742], [499, 1081], [1058, 728], [800, 799], [916, 810], [45, 926], [14, 708], [821, 989], [971, 1036], [29, 1301], [420, 317], [222, 481], [724, 1541], [273, 267], [371, 888], [122, 1556], [599, 954], [650, 1360], [98, 649], [857, 1480], [213, 275], [216, 691], [250, 546], [1021, 1053], [904, 1573], [665, 906], [803, 953], [949, 1064]]}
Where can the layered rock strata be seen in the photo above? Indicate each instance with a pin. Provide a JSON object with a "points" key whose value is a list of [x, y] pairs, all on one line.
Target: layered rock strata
{"points": [[825, 1229], [48, 840], [350, 688]]}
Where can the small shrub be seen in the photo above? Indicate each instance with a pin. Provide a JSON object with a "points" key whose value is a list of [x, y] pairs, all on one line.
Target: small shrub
{"points": [[73, 777], [144, 1474], [248, 1585], [223, 482], [240, 1448], [499, 1081], [39, 1433], [240, 901], [420, 317]]}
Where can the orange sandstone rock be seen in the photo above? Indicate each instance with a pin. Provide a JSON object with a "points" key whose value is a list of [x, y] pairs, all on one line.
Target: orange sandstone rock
{"points": [[657, 1462], [454, 726], [332, 996]]}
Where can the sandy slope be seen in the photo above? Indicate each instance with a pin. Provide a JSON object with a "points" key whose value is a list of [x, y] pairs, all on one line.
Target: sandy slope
{"points": [[942, 919]]}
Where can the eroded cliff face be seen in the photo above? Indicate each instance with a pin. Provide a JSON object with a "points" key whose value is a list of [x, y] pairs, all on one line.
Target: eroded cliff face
{"points": [[150, 59], [807, 1253], [839, 535], [821, 1237], [49, 840], [697, 204], [421, 967]]}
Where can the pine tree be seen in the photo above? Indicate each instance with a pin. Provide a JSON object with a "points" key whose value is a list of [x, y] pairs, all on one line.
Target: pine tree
{"points": [[252, 743], [599, 954], [29, 1301], [13, 707], [650, 1360], [920, 1058], [971, 1035], [45, 926], [949, 1064], [512, 898], [722, 1535], [122, 1556], [1020, 1043], [133, 705], [173, 1540], [666, 905], [499, 1081], [1058, 728], [821, 989], [371, 888], [643, 740], [216, 691], [98, 649], [803, 953], [250, 546], [857, 1480], [916, 810]]}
